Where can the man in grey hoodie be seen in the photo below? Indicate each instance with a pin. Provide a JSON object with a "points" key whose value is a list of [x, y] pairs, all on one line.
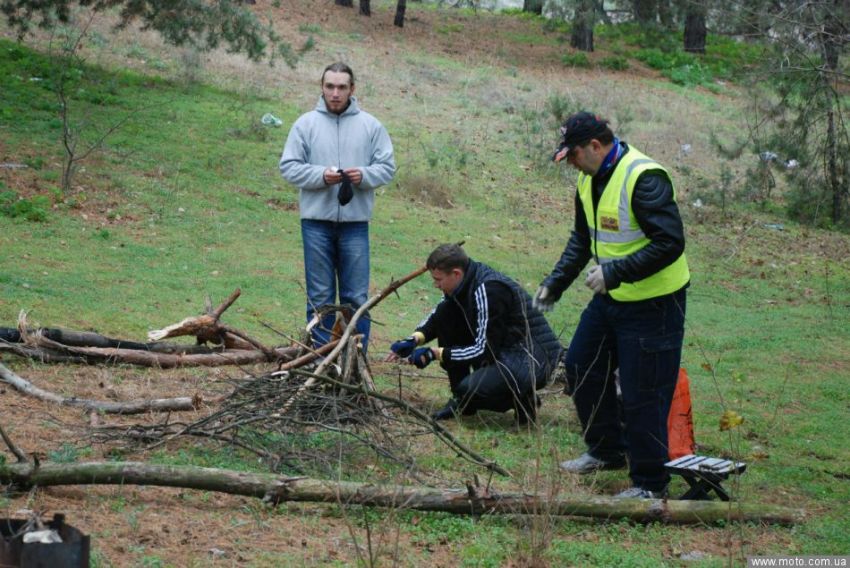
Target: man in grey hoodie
{"points": [[337, 155]]}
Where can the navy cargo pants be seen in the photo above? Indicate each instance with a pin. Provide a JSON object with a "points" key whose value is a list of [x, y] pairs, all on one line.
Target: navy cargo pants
{"points": [[644, 340]]}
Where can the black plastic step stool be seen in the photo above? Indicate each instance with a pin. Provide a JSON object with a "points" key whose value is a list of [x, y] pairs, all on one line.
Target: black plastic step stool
{"points": [[704, 474]]}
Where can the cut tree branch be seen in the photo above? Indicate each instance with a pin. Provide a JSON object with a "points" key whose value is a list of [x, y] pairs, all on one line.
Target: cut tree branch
{"points": [[208, 328], [12, 447], [135, 407]]}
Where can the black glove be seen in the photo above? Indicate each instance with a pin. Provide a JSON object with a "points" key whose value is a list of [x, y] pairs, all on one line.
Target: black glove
{"points": [[346, 192], [404, 347], [422, 357]]}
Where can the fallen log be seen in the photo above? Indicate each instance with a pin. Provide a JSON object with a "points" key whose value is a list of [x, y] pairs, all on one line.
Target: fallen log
{"points": [[49, 345], [167, 360], [41, 354], [75, 338], [134, 407], [12, 341], [471, 500]]}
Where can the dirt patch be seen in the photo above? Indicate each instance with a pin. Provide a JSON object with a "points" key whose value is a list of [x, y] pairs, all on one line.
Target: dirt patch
{"points": [[131, 524], [91, 197]]}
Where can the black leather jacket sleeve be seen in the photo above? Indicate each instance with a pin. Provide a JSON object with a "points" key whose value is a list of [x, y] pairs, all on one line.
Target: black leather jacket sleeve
{"points": [[574, 258], [658, 216]]}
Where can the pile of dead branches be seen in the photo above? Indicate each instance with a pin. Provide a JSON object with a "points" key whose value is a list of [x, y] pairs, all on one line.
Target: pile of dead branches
{"points": [[317, 410], [306, 430]]}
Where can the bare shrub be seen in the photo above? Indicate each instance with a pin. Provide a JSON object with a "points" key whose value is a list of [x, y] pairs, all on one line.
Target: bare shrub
{"points": [[429, 189]]}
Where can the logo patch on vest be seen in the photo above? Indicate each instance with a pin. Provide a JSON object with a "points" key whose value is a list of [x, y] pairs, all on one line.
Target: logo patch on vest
{"points": [[609, 223]]}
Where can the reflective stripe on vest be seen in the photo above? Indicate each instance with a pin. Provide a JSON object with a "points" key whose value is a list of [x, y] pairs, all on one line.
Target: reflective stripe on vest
{"points": [[615, 233]]}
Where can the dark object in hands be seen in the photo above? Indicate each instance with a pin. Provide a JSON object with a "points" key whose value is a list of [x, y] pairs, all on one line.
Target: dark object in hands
{"points": [[346, 191], [422, 357]]}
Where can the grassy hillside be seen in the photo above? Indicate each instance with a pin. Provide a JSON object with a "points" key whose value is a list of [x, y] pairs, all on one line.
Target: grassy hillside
{"points": [[185, 200]]}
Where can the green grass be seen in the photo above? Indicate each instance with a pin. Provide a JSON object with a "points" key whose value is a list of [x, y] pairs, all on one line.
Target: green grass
{"points": [[207, 180], [224, 458], [725, 58], [577, 59], [185, 200]]}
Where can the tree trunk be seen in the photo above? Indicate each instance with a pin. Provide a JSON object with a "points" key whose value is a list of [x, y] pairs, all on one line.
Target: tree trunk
{"points": [[365, 8], [400, 8], [667, 14], [583, 21], [695, 31], [831, 40], [346, 3], [832, 177], [471, 500], [135, 407], [645, 11], [533, 6], [603, 13]]}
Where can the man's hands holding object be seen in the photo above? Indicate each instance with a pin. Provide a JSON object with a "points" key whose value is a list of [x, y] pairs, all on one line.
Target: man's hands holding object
{"points": [[334, 175], [422, 357], [596, 280], [404, 347], [347, 179]]}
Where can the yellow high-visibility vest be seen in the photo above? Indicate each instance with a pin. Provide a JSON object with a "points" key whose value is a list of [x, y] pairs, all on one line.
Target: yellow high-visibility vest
{"points": [[615, 233]]}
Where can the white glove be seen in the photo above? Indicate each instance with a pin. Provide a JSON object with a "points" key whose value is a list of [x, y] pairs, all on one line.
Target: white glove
{"points": [[596, 280], [543, 299]]}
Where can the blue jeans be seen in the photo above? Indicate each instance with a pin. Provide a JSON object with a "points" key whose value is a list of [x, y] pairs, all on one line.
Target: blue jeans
{"points": [[644, 340], [336, 255]]}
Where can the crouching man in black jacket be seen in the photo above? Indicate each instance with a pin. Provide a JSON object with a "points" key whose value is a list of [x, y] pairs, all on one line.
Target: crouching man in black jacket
{"points": [[496, 348]]}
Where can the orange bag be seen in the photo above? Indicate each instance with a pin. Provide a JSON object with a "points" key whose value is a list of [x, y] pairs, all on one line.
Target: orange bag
{"points": [[680, 422]]}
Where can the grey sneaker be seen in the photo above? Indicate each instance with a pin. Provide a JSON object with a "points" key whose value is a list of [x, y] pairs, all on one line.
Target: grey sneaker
{"points": [[586, 463], [640, 493]]}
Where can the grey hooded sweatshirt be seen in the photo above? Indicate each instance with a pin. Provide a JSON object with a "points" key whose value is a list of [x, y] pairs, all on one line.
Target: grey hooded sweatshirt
{"points": [[320, 139]]}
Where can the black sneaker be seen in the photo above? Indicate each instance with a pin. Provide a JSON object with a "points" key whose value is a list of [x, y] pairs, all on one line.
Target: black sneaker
{"points": [[526, 412], [449, 411]]}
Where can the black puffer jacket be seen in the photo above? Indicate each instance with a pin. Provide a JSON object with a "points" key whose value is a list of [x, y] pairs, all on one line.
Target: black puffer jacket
{"points": [[486, 314]]}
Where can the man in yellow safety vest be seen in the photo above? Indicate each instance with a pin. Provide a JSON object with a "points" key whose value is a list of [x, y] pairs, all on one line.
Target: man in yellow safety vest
{"points": [[628, 223]]}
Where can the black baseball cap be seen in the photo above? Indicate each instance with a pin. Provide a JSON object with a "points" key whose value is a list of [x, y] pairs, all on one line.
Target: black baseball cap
{"points": [[580, 128]]}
